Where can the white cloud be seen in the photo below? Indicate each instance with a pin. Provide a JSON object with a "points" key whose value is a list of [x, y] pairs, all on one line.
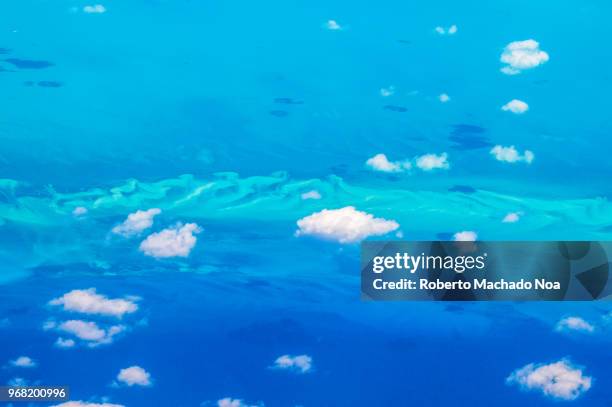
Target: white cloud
{"points": [[137, 222], [558, 380], [23, 361], [176, 241], [311, 195], [515, 106], [465, 236], [452, 30], [134, 376], [345, 225], [90, 332], [95, 9], [299, 363], [86, 404], [332, 25], [64, 343], [511, 154], [90, 302], [18, 382], [386, 92], [79, 211], [430, 162], [521, 55], [380, 162], [574, 324], [230, 402], [444, 98], [512, 217]]}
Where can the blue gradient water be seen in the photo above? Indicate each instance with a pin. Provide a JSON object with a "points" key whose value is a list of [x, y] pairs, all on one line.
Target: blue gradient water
{"points": [[223, 114]]}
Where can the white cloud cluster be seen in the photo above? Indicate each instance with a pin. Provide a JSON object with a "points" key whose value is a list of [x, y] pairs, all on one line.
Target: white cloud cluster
{"points": [[87, 331], [86, 404], [345, 225], [89, 302], [515, 106], [23, 361], [452, 30], [511, 154], [95, 9], [299, 363], [64, 343], [314, 194], [465, 236], [136, 222], [574, 324], [511, 217], [333, 25], [134, 376], [79, 211], [444, 98], [230, 402], [521, 55], [386, 92], [559, 380], [426, 162], [176, 241]]}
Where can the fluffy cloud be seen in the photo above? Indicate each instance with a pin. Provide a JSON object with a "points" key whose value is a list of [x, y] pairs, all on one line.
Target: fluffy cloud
{"points": [[345, 225], [134, 376], [430, 162], [95, 9], [64, 343], [447, 31], [137, 222], [332, 25], [176, 241], [465, 236], [521, 55], [230, 402], [444, 98], [574, 324], [511, 154], [380, 162], [299, 363], [386, 92], [311, 195], [89, 302], [89, 331], [558, 380], [512, 217], [515, 106], [86, 404], [79, 211], [23, 361]]}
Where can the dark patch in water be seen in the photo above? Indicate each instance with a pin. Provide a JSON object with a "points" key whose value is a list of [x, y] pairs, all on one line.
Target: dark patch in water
{"points": [[4, 50], [469, 137], [50, 84], [606, 229], [466, 189], [288, 101], [284, 331], [444, 236], [279, 113], [405, 42], [454, 308], [394, 108], [28, 63], [28, 83]]}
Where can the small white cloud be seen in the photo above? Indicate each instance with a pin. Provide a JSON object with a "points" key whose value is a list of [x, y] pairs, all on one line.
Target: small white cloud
{"points": [[559, 380], [515, 106], [298, 364], [18, 382], [95, 9], [452, 30], [136, 222], [332, 25], [345, 225], [90, 332], [465, 236], [512, 217], [311, 195], [64, 343], [176, 241], [86, 404], [511, 154], [90, 302], [380, 162], [444, 98], [574, 324], [521, 55], [230, 402], [79, 211], [430, 162], [386, 92], [23, 361], [134, 376]]}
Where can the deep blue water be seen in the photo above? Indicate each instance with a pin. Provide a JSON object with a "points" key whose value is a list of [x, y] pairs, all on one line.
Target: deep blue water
{"points": [[223, 114]]}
